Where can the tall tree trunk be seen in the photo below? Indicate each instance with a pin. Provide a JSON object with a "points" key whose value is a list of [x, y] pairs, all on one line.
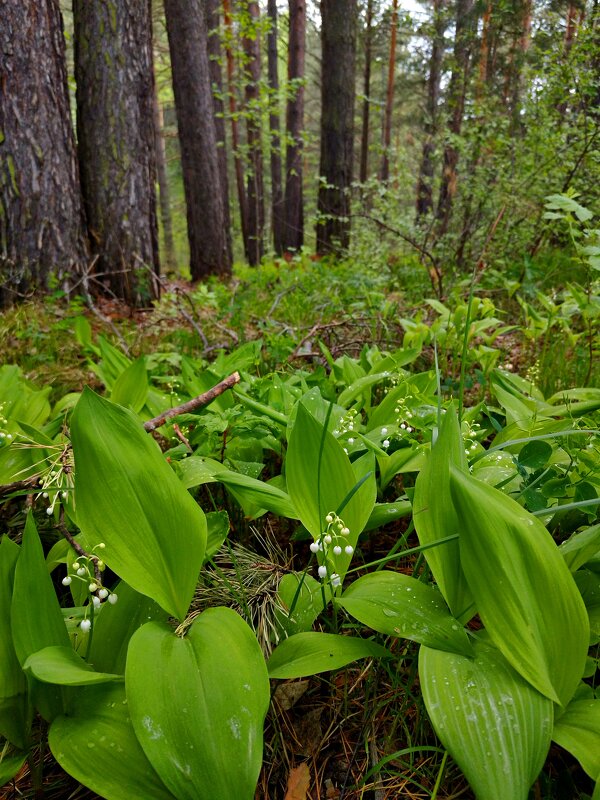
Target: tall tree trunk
{"points": [[294, 196], [254, 177], [457, 90], [41, 216], [389, 97], [521, 48], [212, 10], [484, 53], [164, 195], [364, 139], [338, 37], [117, 146], [207, 230], [233, 117], [425, 187], [277, 208]]}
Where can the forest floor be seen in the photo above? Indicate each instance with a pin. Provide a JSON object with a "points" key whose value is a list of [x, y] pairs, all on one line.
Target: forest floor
{"points": [[362, 731]]}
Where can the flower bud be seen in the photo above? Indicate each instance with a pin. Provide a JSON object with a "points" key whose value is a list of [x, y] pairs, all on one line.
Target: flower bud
{"points": [[66, 581], [314, 547], [85, 625], [112, 598], [337, 550]]}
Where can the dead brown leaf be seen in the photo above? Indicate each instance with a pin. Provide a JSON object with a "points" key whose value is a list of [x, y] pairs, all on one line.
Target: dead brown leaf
{"points": [[298, 783]]}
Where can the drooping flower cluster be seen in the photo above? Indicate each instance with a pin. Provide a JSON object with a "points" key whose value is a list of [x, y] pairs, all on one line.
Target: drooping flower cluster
{"points": [[331, 543], [83, 570]]}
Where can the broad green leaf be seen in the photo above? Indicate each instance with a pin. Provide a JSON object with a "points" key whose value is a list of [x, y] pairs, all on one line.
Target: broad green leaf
{"points": [[199, 711], [578, 731], [398, 605], [9, 766], [14, 718], [494, 724], [312, 652], [535, 454], [320, 477], [12, 680], [128, 497], [301, 597], [61, 665], [131, 387], [113, 363], [258, 493], [408, 459], [588, 583], [36, 618], [580, 547], [435, 516], [387, 512], [360, 386], [217, 527], [523, 589], [115, 626], [97, 746]]}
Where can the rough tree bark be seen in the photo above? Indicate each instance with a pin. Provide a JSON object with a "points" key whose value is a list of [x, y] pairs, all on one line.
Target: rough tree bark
{"points": [[277, 210], [164, 195], [425, 185], [207, 230], [457, 89], [384, 172], [41, 216], [212, 13], [117, 147], [338, 38], [366, 109], [233, 117], [294, 196], [255, 189]]}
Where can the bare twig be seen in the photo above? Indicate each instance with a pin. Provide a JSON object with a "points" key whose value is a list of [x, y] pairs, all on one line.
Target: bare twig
{"points": [[19, 486], [201, 400]]}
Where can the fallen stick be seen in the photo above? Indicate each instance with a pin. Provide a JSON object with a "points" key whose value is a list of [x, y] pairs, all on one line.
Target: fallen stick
{"points": [[201, 400]]}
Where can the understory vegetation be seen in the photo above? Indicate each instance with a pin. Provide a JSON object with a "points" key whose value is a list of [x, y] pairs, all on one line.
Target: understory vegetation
{"points": [[367, 565]]}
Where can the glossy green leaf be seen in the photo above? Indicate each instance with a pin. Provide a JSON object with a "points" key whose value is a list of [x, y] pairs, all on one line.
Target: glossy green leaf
{"points": [[398, 605], [435, 516], [579, 548], [115, 626], [36, 618], [10, 766], [131, 387], [12, 680], [14, 716], [258, 493], [523, 589], [578, 731], [61, 665], [312, 652], [97, 746], [383, 513], [128, 497], [535, 454], [300, 596], [320, 477], [199, 711], [217, 525], [494, 724]]}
